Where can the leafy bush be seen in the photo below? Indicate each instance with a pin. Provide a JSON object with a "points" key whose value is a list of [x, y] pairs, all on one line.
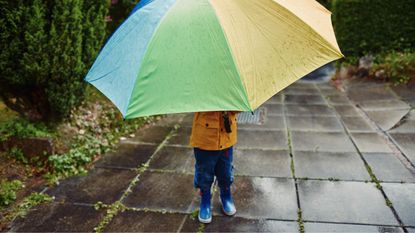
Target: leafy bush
{"points": [[398, 67], [8, 191], [47, 47], [372, 26], [22, 128]]}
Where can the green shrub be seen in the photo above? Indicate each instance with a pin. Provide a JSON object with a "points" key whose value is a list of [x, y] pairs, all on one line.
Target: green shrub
{"points": [[22, 128], [373, 26], [47, 47], [397, 67], [8, 191]]}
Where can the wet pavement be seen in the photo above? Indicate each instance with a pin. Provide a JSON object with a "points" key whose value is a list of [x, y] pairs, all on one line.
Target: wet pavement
{"points": [[322, 160]]}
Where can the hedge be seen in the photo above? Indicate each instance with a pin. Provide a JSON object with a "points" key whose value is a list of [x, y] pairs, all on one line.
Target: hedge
{"points": [[374, 26], [46, 49]]}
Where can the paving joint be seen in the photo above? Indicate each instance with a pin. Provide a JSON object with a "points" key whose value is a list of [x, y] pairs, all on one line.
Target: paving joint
{"points": [[369, 170], [141, 169]]}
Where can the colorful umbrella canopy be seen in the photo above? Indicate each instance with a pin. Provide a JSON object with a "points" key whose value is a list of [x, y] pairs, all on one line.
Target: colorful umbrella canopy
{"points": [[175, 56]]}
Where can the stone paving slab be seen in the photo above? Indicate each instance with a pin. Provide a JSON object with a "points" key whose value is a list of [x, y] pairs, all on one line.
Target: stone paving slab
{"points": [[237, 224], [386, 119], [274, 109], [402, 198], [127, 156], [271, 123], [361, 93], [55, 217], [371, 143], [255, 162], [384, 105], [180, 159], [273, 140], [405, 141], [309, 110], [407, 125], [180, 137], [257, 197], [162, 191], [100, 184], [325, 165], [338, 99], [330, 91], [405, 92], [301, 91], [344, 202], [145, 221], [318, 141], [154, 134], [387, 167], [357, 124], [304, 99], [332, 227], [314, 123], [346, 110]]}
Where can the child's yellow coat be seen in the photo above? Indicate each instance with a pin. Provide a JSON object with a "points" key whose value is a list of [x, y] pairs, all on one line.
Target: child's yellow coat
{"points": [[208, 131]]}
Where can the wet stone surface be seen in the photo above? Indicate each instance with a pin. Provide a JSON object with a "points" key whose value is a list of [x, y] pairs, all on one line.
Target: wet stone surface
{"points": [[386, 119], [55, 217], [330, 227], [371, 143], [274, 109], [271, 123], [180, 137], [405, 142], [262, 198], [340, 202], [249, 139], [346, 110], [238, 224], [320, 122], [402, 197], [152, 134], [312, 123], [255, 162], [127, 156], [387, 167], [100, 184], [325, 165], [142, 221], [357, 124], [309, 110], [180, 159], [317, 141], [162, 191], [384, 104], [304, 99], [338, 99]]}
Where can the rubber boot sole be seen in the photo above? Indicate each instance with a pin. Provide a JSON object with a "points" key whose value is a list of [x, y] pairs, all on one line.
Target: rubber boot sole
{"points": [[226, 213], [209, 220]]}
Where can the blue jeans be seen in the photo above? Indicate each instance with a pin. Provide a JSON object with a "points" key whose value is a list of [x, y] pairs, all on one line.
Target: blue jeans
{"points": [[213, 163]]}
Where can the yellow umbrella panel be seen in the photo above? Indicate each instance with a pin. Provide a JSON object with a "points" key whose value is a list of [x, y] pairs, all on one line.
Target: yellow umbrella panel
{"points": [[276, 42]]}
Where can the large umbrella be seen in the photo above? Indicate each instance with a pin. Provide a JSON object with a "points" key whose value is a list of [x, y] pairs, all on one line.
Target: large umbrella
{"points": [[175, 56]]}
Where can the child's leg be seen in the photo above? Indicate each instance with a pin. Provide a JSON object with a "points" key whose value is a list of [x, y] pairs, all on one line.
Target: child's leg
{"points": [[224, 173], [224, 168], [204, 174], [205, 168]]}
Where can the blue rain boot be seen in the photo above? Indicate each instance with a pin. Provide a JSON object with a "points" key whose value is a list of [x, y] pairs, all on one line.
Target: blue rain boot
{"points": [[205, 210], [228, 206]]}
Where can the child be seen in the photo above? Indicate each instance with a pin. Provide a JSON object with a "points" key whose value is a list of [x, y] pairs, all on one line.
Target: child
{"points": [[213, 136]]}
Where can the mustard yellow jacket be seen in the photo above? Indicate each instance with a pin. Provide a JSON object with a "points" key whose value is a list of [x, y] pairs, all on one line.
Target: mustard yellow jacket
{"points": [[208, 131]]}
